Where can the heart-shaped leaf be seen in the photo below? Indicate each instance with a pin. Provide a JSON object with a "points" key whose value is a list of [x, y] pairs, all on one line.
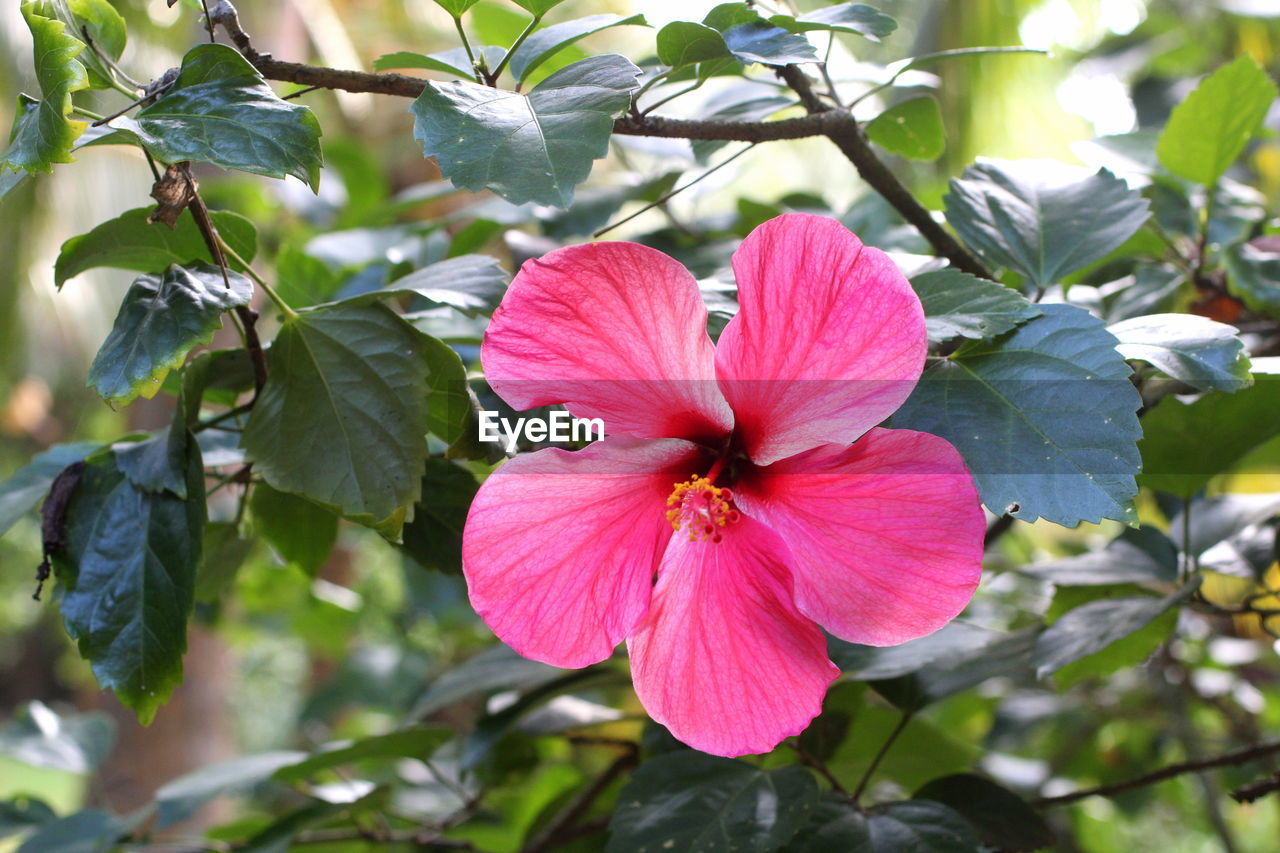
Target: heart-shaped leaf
{"points": [[957, 304], [42, 134]]}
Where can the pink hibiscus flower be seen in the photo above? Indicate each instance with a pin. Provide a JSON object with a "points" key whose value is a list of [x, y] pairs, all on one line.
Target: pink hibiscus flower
{"points": [[744, 495]]}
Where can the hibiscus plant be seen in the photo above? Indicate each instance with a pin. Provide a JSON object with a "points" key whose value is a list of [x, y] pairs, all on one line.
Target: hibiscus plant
{"points": [[608, 507]]}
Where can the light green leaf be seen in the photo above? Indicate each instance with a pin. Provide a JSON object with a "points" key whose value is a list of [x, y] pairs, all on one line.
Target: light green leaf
{"points": [[856, 18], [1042, 223], [42, 134], [300, 531], [1177, 458], [447, 62], [128, 573], [106, 28], [957, 304], [1254, 276], [221, 111], [456, 7], [181, 798], [162, 319], [537, 7], [1207, 131], [912, 128], [686, 43], [1198, 351], [525, 148], [699, 803], [130, 242], [343, 418], [21, 493], [545, 43], [1044, 416]]}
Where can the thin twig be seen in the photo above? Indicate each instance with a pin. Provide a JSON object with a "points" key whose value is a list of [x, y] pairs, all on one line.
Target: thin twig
{"points": [[301, 92], [1228, 759], [875, 762], [555, 835]]}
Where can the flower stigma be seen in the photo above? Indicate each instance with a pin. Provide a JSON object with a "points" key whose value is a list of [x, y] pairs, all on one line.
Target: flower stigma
{"points": [[701, 508]]}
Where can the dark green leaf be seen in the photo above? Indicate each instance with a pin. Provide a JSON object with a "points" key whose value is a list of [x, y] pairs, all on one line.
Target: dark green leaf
{"points": [[856, 18], [184, 796], [76, 743], [129, 576], [162, 319], [525, 148], [686, 43], [1254, 276], [22, 813], [221, 111], [1042, 225], [1177, 459], [833, 825], [1003, 820], [88, 831], [957, 304], [872, 663], [130, 242], [1044, 416], [1003, 655], [301, 532], [912, 128], [1137, 555], [343, 418], [695, 803], [495, 668], [434, 537], [224, 552], [159, 463], [1207, 131], [42, 134], [920, 825], [473, 284], [545, 43], [417, 742], [21, 493], [215, 376], [1198, 351], [1091, 628]]}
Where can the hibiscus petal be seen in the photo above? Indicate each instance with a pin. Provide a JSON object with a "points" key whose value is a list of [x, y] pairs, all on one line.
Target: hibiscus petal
{"points": [[616, 331], [829, 341], [723, 659], [885, 535], [560, 549]]}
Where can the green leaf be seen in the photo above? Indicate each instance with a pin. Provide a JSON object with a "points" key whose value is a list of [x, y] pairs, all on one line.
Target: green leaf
{"points": [[1254, 276], [1003, 820], [434, 538], [1219, 518], [75, 743], [1127, 651], [1137, 555], [21, 813], [1001, 655], [107, 29], [447, 62], [158, 464], [918, 826], [88, 831], [21, 493], [921, 751], [224, 552], [537, 7], [42, 134], [1177, 459], [181, 798], [496, 668], [754, 108], [473, 284], [765, 43], [162, 319], [1085, 630], [834, 824], [686, 43], [912, 128], [300, 531], [1196, 350], [545, 43], [1207, 131], [343, 417], [697, 803], [130, 242], [870, 663], [416, 742], [221, 111], [1044, 416], [129, 576], [957, 304], [456, 7], [525, 148], [856, 18], [1039, 223]]}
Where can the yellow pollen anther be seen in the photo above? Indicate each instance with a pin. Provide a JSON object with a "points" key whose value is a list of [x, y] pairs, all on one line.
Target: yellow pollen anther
{"points": [[701, 508]]}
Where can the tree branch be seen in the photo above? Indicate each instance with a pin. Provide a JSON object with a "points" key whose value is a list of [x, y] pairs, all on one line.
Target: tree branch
{"points": [[838, 125], [1239, 756]]}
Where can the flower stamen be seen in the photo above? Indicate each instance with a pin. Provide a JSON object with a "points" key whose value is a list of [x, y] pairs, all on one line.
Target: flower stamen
{"points": [[701, 508]]}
